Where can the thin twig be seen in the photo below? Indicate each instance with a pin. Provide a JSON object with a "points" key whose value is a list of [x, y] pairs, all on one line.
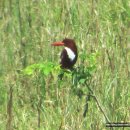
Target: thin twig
{"points": [[97, 101], [101, 109]]}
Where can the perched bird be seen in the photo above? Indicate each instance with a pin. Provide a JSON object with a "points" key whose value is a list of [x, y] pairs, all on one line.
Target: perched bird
{"points": [[69, 54]]}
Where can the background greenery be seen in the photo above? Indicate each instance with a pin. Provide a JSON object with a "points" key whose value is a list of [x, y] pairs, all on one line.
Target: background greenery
{"points": [[39, 101]]}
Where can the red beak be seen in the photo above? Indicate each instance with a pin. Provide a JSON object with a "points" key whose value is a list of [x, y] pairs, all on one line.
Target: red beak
{"points": [[57, 44]]}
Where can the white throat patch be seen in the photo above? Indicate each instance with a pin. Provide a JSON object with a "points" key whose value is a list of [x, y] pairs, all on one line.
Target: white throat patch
{"points": [[70, 53]]}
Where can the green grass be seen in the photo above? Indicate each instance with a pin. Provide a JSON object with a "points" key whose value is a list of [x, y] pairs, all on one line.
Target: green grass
{"points": [[38, 101]]}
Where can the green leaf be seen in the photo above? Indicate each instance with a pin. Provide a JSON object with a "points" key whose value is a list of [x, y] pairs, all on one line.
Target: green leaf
{"points": [[82, 81]]}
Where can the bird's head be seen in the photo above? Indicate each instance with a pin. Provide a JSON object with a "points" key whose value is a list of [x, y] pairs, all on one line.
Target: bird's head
{"points": [[70, 43]]}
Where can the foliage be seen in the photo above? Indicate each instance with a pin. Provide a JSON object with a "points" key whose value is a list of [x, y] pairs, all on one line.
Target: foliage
{"points": [[37, 98], [44, 68]]}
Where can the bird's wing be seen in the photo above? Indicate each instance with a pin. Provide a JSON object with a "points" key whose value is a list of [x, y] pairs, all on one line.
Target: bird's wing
{"points": [[64, 55], [64, 58]]}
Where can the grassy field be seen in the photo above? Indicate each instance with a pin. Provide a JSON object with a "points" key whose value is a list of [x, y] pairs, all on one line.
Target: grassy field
{"points": [[39, 101]]}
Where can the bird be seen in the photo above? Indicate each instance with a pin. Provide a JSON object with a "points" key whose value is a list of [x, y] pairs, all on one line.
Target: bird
{"points": [[69, 54]]}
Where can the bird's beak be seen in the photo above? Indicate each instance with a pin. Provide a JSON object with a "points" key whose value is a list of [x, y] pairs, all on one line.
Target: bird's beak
{"points": [[57, 44]]}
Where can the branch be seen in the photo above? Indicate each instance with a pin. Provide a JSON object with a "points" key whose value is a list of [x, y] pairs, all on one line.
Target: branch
{"points": [[98, 104]]}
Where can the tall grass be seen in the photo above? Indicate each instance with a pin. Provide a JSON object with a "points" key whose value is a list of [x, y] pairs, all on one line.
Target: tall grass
{"points": [[27, 30]]}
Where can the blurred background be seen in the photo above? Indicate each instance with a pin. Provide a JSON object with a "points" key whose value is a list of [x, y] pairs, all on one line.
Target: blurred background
{"points": [[27, 29]]}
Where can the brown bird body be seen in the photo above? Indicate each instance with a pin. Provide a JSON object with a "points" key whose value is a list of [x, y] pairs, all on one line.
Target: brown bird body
{"points": [[69, 54]]}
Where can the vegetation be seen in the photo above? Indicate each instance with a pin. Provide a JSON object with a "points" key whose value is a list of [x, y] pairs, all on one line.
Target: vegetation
{"points": [[31, 95]]}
